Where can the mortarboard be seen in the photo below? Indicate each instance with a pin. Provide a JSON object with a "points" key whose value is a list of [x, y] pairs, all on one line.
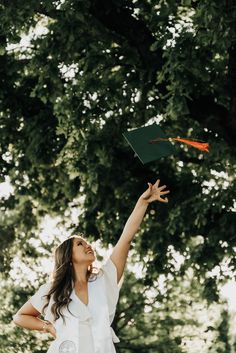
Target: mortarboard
{"points": [[150, 143], [139, 139]]}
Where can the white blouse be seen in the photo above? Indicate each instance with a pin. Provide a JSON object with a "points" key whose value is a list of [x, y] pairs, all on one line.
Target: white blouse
{"points": [[87, 327]]}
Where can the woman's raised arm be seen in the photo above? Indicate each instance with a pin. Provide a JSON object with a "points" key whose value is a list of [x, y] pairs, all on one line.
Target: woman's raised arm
{"points": [[121, 249]]}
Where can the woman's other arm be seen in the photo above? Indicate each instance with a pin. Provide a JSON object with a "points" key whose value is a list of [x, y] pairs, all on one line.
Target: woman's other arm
{"points": [[28, 317]]}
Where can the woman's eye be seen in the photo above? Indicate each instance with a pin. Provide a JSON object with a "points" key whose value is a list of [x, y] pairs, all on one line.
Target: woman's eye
{"points": [[80, 243]]}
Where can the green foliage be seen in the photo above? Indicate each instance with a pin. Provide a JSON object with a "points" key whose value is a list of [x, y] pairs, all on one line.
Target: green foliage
{"points": [[222, 341], [88, 71]]}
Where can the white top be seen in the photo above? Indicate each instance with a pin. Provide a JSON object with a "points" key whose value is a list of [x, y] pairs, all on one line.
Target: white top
{"points": [[87, 328]]}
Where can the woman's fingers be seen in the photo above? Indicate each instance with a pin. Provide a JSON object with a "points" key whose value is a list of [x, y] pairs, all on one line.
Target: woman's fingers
{"points": [[165, 192], [157, 185], [163, 200], [162, 187]]}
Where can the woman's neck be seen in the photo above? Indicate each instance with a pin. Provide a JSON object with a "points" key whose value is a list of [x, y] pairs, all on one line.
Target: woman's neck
{"points": [[81, 275]]}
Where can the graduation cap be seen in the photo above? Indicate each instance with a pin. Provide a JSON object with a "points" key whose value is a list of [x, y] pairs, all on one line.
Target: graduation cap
{"points": [[150, 143]]}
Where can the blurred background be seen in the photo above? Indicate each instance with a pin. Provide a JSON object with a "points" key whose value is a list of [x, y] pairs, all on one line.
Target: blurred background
{"points": [[74, 76]]}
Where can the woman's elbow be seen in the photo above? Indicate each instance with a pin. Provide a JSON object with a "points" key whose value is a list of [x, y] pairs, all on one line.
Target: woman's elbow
{"points": [[16, 319]]}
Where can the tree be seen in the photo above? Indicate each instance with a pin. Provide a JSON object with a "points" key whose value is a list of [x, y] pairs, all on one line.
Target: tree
{"points": [[222, 341], [94, 69]]}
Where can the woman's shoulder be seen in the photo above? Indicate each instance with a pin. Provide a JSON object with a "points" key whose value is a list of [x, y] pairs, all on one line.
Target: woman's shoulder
{"points": [[44, 288], [109, 267], [46, 284], [107, 270], [38, 300]]}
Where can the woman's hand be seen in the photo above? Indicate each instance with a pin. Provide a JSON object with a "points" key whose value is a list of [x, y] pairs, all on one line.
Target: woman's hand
{"points": [[51, 329], [154, 193]]}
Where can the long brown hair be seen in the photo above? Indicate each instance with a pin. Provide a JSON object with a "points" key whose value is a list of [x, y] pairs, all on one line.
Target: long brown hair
{"points": [[64, 277]]}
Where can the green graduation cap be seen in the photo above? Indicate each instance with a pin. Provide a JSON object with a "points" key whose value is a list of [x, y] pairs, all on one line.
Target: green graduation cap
{"points": [[141, 141]]}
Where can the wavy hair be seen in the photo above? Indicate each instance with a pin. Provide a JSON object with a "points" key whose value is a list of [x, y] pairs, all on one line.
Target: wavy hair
{"points": [[63, 277]]}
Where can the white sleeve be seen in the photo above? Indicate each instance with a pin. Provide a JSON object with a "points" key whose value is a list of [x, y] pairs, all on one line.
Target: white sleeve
{"points": [[38, 300], [112, 288]]}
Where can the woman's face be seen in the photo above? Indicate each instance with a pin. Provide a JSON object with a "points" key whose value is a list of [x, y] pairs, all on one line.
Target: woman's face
{"points": [[82, 252]]}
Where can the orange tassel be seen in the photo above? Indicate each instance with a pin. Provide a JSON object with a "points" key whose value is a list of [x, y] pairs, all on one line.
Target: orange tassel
{"points": [[200, 145]]}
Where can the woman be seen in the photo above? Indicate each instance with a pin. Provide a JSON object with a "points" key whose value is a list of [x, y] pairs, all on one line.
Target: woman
{"points": [[79, 305]]}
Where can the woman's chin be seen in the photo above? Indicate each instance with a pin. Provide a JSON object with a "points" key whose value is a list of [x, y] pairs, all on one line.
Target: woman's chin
{"points": [[91, 257]]}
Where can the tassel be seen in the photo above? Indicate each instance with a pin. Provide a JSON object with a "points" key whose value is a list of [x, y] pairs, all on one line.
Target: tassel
{"points": [[200, 145]]}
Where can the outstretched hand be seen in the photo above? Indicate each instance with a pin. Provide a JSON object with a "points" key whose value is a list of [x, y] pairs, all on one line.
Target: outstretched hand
{"points": [[154, 193]]}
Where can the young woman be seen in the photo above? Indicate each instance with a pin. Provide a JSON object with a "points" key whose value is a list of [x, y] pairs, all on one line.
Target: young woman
{"points": [[79, 304]]}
